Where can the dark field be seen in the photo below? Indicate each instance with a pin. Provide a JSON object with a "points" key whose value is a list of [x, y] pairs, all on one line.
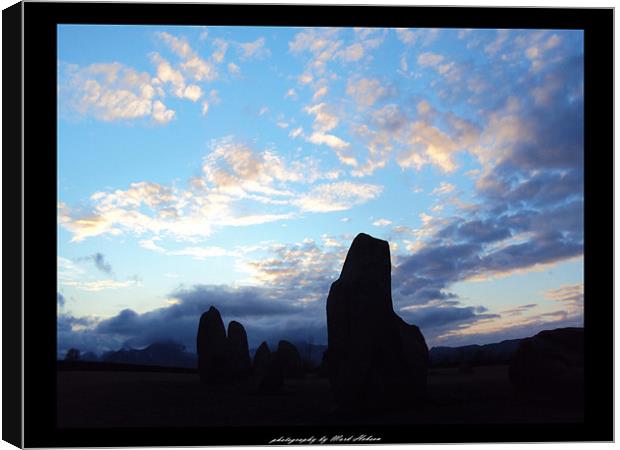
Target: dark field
{"points": [[132, 399]]}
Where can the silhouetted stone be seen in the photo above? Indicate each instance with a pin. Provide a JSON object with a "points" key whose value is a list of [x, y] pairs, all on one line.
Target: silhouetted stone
{"points": [[239, 353], [292, 365], [322, 371], [212, 348], [550, 364], [268, 370], [272, 379], [374, 358], [73, 354], [261, 358]]}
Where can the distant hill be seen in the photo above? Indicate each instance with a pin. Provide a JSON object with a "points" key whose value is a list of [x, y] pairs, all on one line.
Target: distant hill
{"points": [[474, 355], [169, 354], [172, 354], [311, 354]]}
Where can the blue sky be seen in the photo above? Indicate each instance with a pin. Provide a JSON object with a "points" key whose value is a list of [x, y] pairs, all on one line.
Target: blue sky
{"points": [[232, 166]]}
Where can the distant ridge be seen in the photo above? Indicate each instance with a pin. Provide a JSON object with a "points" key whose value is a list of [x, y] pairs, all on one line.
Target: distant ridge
{"points": [[474, 355]]}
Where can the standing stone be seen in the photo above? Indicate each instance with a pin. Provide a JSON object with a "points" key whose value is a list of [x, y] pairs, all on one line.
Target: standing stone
{"points": [[268, 370], [550, 364], [212, 347], [239, 352], [292, 365], [261, 358], [374, 358]]}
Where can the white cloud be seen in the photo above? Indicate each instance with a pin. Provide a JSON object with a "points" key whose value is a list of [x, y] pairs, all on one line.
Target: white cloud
{"points": [[255, 49], [305, 78], [177, 45], [160, 113], [237, 187], [430, 59], [366, 91], [406, 35], [296, 132], [381, 222], [443, 189], [353, 52], [338, 196], [166, 74], [319, 93], [234, 69], [150, 244], [291, 93], [327, 139], [112, 92], [324, 118], [191, 63], [201, 253], [205, 108], [100, 285], [221, 46]]}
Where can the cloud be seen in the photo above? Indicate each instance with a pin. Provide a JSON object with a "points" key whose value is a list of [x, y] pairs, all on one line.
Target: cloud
{"points": [[179, 46], [220, 51], [191, 63], [100, 263], [438, 318], [443, 189], [324, 118], [319, 93], [381, 223], [410, 36], [110, 92], [255, 49], [234, 69], [238, 186], [429, 59], [299, 131], [200, 253], [337, 196], [353, 52], [60, 300], [570, 296], [327, 139], [166, 74], [264, 318], [366, 92], [100, 285], [519, 310]]}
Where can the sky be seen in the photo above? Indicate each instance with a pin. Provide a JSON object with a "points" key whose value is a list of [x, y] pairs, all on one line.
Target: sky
{"points": [[233, 166]]}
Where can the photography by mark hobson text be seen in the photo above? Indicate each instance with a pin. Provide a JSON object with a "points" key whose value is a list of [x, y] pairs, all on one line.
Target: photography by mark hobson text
{"points": [[338, 438]]}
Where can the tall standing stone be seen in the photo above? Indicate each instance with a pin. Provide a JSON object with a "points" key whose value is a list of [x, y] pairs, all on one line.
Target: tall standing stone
{"points": [[550, 364], [374, 358], [292, 365], [268, 370], [261, 358], [212, 347], [239, 353]]}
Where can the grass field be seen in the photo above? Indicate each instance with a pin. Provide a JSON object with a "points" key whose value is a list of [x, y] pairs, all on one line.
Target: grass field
{"points": [[132, 399]]}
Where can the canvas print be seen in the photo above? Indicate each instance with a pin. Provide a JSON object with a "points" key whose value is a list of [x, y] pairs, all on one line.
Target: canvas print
{"points": [[319, 226]]}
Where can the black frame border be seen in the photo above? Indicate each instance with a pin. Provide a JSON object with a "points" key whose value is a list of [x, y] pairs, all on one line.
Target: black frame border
{"points": [[40, 65]]}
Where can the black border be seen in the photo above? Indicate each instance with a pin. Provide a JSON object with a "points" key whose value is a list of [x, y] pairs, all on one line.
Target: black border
{"points": [[40, 212], [12, 231]]}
